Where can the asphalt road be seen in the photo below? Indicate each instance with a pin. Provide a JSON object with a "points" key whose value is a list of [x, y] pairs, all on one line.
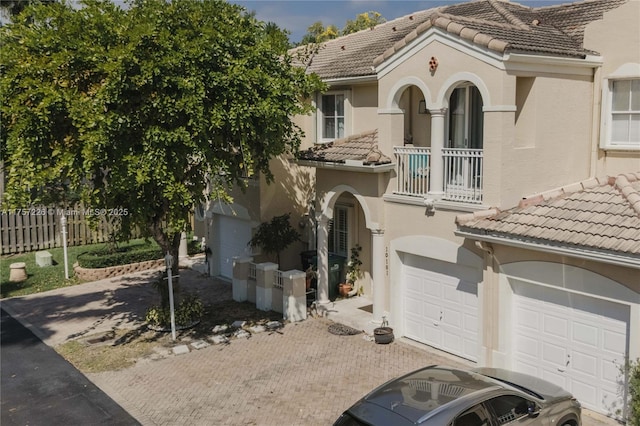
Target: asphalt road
{"points": [[39, 387]]}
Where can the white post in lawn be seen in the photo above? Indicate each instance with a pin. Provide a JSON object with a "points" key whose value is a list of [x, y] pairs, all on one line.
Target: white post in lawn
{"points": [[168, 260], [63, 223]]}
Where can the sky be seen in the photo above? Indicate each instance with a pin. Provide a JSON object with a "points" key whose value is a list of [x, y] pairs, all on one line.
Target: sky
{"points": [[297, 15]]}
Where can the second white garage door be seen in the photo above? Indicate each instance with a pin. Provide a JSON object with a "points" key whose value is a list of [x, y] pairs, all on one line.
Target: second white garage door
{"points": [[575, 341], [233, 237], [440, 306]]}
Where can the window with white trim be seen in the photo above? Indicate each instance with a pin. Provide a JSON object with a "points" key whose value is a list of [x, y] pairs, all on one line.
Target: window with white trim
{"points": [[623, 116], [333, 116]]}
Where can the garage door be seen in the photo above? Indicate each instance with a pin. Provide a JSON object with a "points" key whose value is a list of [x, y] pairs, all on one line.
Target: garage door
{"points": [[575, 341], [440, 307], [234, 234]]}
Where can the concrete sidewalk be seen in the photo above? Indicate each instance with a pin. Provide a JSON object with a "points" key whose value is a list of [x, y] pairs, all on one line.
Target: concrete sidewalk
{"points": [[298, 375]]}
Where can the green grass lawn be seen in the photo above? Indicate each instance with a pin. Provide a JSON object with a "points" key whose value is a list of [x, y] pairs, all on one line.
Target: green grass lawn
{"points": [[44, 278]]}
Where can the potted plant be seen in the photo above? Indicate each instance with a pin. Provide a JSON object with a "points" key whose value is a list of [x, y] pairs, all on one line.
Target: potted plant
{"points": [[384, 334], [353, 271], [311, 277]]}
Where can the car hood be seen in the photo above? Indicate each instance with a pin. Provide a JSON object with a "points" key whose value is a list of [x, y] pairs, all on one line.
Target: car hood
{"points": [[546, 390]]}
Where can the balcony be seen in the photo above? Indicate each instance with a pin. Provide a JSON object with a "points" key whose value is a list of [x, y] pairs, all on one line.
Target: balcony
{"points": [[462, 173], [412, 169]]}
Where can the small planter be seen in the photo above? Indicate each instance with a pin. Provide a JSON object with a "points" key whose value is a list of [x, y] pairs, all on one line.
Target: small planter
{"points": [[344, 289], [383, 335]]}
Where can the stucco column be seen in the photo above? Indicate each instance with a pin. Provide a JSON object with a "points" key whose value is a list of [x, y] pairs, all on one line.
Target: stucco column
{"points": [[182, 249], [240, 278], [294, 297], [377, 254], [436, 184], [264, 284], [323, 261]]}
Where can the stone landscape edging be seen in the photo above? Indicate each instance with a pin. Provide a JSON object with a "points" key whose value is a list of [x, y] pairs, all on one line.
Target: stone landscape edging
{"points": [[94, 274]]}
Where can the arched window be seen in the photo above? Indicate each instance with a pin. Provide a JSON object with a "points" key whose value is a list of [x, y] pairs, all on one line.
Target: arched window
{"points": [[463, 154], [465, 118]]}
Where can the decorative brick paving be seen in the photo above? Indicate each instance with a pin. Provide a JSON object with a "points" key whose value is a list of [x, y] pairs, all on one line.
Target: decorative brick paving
{"points": [[300, 375]]}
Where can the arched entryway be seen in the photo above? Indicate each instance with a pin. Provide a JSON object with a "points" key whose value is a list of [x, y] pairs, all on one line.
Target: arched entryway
{"points": [[335, 204]]}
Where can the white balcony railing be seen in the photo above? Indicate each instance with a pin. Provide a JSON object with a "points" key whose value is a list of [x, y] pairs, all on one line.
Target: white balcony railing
{"points": [[462, 175], [412, 169]]}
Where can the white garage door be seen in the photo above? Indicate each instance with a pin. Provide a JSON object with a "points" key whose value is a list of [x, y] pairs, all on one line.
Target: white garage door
{"points": [[234, 234], [575, 341], [440, 308]]}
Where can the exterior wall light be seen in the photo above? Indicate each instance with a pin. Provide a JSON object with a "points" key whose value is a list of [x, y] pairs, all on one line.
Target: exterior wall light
{"points": [[422, 107]]}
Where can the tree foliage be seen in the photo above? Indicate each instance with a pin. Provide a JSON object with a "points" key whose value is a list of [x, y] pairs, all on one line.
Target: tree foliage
{"points": [[318, 33], [363, 21], [14, 7], [275, 236], [151, 108]]}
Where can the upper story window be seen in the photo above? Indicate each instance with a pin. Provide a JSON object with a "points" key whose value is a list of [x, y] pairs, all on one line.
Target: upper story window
{"points": [[625, 113], [333, 116], [466, 120], [622, 114]]}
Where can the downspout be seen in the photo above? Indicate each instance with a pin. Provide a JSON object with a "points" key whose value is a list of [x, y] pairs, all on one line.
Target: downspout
{"points": [[595, 124]]}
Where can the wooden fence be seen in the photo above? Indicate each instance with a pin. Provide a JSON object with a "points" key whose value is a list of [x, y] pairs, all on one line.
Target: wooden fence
{"points": [[39, 228]]}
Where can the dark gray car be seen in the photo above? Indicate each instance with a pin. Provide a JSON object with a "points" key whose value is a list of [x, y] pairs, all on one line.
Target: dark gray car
{"points": [[445, 396]]}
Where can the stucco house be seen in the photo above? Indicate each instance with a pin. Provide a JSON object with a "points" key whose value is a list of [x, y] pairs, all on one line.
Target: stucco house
{"points": [[486, 156]]}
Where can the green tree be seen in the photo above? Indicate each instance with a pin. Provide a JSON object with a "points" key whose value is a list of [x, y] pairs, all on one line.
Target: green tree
{"points": [[363, 21], [144, 111], [318, 33], [14, 7], [275, 236]]}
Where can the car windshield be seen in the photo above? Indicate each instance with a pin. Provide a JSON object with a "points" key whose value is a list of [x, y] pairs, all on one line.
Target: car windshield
{"points": [[417, 394]]}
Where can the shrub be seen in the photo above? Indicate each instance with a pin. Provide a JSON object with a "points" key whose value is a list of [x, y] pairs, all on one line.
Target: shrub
{"points": [[633, 369], [194, 247], [106, 257], [188, 311]]}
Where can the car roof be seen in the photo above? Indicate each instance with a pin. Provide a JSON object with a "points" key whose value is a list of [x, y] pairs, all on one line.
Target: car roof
{"points": [[426, 392]]}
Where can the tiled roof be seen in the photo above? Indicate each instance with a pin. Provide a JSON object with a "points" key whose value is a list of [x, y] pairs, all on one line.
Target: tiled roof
{"points": [[504, 27], [597, 214], [353, 54], [361, 147]]}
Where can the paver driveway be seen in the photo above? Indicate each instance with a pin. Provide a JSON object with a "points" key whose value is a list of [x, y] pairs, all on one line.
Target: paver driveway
{"points": [[301, 376]]}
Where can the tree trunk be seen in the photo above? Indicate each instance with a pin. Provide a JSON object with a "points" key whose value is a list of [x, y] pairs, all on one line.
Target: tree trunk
{"points": [[168, 244]]}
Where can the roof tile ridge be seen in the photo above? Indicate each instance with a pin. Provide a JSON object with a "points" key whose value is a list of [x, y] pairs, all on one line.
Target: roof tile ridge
{"points": [[349, 138], [468, 19], [510, 17], [461, 219], [541, 197], [421, 28], [455, 24], [623, 184]]}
